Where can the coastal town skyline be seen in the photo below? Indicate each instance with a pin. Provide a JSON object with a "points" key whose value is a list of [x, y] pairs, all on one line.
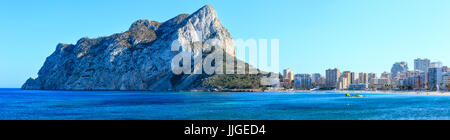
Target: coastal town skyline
{"points": [[409, 62], [424, 75]]}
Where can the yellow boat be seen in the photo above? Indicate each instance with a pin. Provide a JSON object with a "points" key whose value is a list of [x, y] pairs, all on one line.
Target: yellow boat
{"points": [[357, 95]]}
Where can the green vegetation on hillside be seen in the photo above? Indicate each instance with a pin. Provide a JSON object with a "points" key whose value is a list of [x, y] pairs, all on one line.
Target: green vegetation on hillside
{"points": [[234, 81]]}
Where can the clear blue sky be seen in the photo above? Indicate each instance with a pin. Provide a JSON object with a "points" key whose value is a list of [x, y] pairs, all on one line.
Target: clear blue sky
{"points": [[357, 35]]}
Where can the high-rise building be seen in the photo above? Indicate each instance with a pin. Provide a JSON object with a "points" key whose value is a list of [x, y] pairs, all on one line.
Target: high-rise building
{"points": [[446, 80], [291, 76], [435, 77], [411, 83], [445, 69], [322, 82], [419, 82], [347, 74], [315, 78], [436, 65], [372, 76], [285, 72], [416, 80], [363, 78], [411, 80], [399, 67], [386, 75], [421, 64], [302, 81], [344, 82], [400, 82], [424, 80], [354, 78], [332, 77], [288, 75]]}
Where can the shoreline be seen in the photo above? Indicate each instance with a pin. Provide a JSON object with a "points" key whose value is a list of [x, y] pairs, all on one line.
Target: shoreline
{"points": [[430, 93], [427, 93]]}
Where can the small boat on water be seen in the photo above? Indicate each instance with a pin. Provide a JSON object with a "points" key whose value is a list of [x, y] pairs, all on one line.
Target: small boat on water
{"points": [[356, 95]]}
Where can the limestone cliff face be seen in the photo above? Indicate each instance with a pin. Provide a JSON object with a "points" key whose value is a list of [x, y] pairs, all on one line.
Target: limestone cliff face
{"points": [[138, 59]]}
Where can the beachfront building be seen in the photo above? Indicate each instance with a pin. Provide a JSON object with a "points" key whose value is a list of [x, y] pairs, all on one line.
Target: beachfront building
{"points": [[424, 80], [379, 83], [302, 82], [362, 86], [435, 77], [332, 77], [401, 83], [412, 82], [406, 80], [322, 82], [315, 77], [446, 80], [421, 64], [400, 78], [397, 68], [416, 81]]}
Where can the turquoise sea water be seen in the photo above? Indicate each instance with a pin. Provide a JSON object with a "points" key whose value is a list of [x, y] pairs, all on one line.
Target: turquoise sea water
{"points": [[61, 105]]}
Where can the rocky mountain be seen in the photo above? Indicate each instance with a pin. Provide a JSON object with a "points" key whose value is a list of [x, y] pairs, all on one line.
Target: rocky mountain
{"points": [[138, 59]]}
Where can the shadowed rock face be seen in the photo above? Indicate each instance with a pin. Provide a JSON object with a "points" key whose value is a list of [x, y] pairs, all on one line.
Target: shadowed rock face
{"points": [[138, 59]]}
